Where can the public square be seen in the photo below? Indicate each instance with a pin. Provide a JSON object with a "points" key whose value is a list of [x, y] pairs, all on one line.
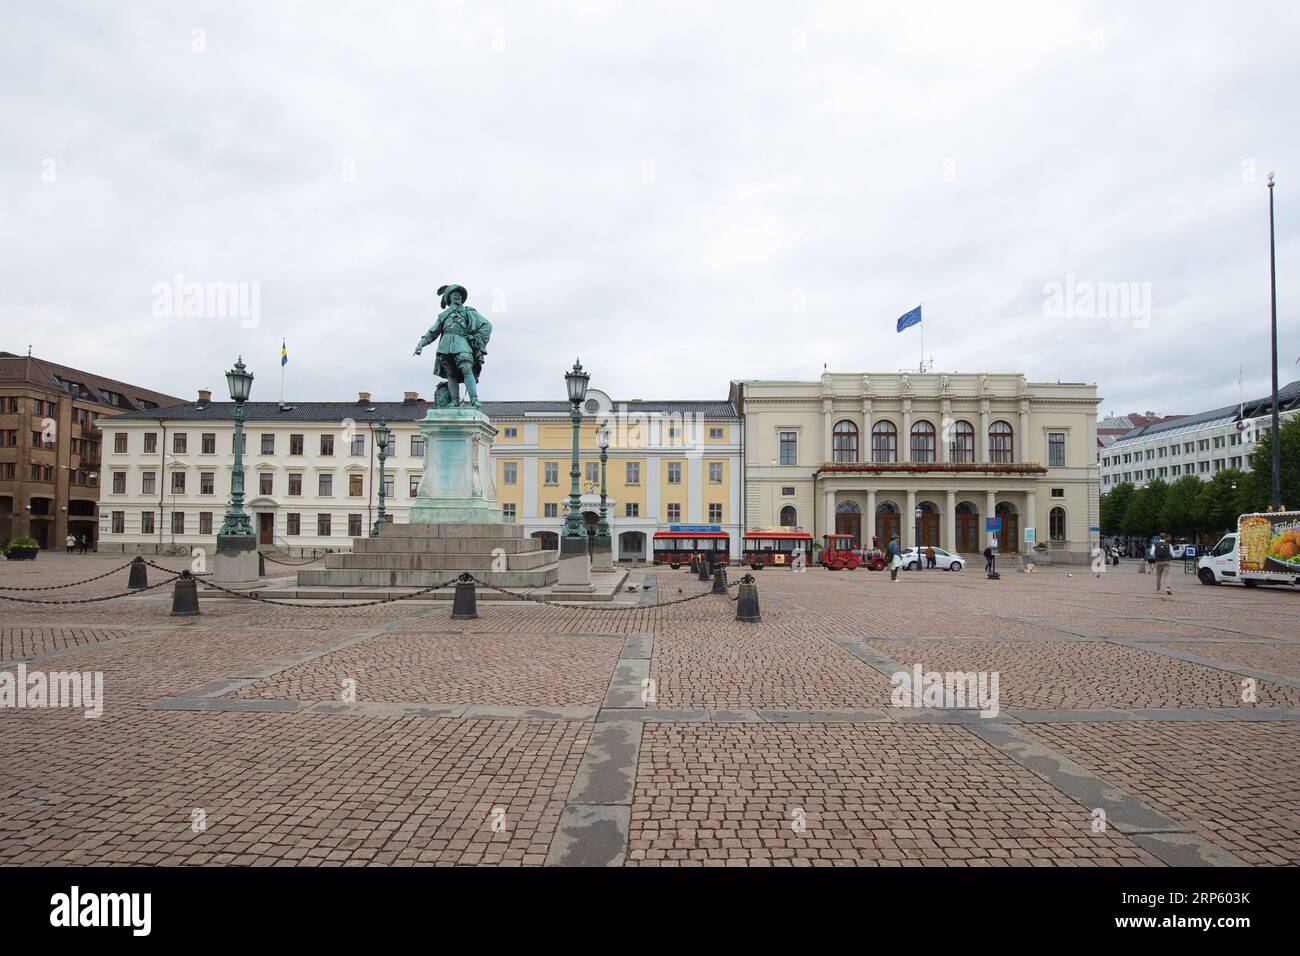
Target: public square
{"points": [[1133, 728]]}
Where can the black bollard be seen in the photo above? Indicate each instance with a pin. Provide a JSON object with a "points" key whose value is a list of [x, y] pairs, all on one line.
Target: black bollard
{"points": [[139, 573], [464, 607], [720, 579], [694, 567], [705, 572], [261, 565], [747, 601], [185, 596]]}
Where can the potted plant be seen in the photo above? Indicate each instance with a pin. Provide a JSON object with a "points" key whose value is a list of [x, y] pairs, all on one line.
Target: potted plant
{"points": [[22, 549]]}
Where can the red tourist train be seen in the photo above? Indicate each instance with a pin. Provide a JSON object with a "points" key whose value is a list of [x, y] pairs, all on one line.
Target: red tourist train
{"points": [[677, 548], [763, 548]]}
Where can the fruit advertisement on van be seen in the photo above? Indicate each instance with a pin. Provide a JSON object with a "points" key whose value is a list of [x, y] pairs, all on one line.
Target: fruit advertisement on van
{"points": [[1269, 543]]}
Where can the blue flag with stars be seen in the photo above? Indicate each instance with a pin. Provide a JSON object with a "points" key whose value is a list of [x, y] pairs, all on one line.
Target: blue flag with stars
{"points": [[910, 319]]}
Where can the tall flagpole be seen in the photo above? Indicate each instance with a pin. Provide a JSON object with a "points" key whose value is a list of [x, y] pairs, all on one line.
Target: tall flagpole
{"points": [[922, 325]]}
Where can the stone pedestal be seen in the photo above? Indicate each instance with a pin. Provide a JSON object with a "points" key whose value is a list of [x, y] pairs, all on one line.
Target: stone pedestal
{"points": [[602, 554], [236, 559], [575, 567], [459, 486]]}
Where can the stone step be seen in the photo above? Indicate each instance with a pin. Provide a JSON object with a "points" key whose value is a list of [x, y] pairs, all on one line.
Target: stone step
{"points": [[418, 545], [519, 561], [361, 577], [461, 530]]}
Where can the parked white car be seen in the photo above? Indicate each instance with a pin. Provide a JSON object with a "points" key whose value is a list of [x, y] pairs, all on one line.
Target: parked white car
{"points": [[914, 559]]}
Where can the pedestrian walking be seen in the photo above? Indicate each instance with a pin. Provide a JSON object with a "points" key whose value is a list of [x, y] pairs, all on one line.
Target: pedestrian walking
{"points": [[895, 555], [930, 561], [1161, 554], [1151, 558], [988, 559], [69, 543], [82, 543]]}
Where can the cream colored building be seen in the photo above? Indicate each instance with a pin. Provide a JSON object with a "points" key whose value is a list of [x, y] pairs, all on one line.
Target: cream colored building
{"points": [[926, 456]]}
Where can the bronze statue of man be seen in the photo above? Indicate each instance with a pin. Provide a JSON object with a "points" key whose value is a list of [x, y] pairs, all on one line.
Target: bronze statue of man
{"points": [[463, 337]]}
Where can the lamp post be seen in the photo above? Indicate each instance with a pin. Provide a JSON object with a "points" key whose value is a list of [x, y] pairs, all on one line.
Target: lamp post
{"points": [[576, 380], [602, 438], [382, 434], [1272, 274], [919, 512], [236, 523]]}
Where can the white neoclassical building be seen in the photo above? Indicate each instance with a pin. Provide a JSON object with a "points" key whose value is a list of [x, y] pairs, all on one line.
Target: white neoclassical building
{"points": [[927, 456]]}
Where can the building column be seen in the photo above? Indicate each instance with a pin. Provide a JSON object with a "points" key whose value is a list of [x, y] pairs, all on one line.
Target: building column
{"points": [[828, 447], [1031, 509], [945, 431], [990, 504], [828, 514], [869, 521], [982, 436], [905, 438], [1023, 444], [950, 523], [909, 522]]}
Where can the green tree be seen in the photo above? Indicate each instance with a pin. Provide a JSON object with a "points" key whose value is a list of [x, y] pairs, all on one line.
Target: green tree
{"points": [[1258, 485], [1142, 517], [1114, 505], [1220, 501], [1178, 514]]}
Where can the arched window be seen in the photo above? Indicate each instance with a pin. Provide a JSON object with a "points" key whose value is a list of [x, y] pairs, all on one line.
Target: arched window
{"points": [[789, 517], [1056, 524], [1000, 442], [922, 441], [962, 448], [886, 508], [847, 508], [884, 442], [845, 441]]}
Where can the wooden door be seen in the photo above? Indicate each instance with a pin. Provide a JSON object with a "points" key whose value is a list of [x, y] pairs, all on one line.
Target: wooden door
{"points": [[930, 529], [265, 529], [968, 534], [849, 523], [1009, 539], [886, 528]]}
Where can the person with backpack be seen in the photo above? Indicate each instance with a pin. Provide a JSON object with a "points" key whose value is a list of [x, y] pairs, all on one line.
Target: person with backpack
{"points": [[895, 555], [930, 561], [1161, 555]]}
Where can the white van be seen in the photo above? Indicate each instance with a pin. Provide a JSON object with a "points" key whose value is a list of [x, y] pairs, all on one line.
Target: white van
{"points": [[1271, 554]]}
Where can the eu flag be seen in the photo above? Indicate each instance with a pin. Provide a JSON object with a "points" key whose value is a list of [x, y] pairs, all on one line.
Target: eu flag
{"points": [[911, 318]]}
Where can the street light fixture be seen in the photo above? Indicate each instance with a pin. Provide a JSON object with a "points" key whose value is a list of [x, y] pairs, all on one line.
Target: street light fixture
{"points": [[576, 381], [602, 439], [918, 512], [236, 523], [382, 435]]}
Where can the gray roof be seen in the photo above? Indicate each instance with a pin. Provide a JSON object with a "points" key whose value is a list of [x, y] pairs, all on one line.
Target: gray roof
{"points": [[1288, 397], [396, 411]]}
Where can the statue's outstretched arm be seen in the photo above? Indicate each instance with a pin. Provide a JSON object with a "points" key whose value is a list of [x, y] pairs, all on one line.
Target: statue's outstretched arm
{"points": [[429, 336]]}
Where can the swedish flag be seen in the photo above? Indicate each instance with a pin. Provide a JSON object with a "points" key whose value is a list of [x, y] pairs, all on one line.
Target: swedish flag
{"points": [[284, 354]]}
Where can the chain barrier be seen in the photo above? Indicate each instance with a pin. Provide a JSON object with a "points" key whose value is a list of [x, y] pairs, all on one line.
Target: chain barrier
{"points": [[93, 600], [254, 596], [292, 564], [173, 570], [58, 587], [598, 607]]}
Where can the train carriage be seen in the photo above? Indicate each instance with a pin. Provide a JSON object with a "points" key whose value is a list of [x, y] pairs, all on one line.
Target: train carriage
{"points": [[777, 548], [678, 548]]}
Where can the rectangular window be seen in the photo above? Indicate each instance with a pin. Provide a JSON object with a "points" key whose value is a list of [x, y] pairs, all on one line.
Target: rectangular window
{"points": [[207, 482], [178, 443], [388, 485], [295, 483], [593, 471], [119, 522], [119, 482], [293, 523], [325, 486], [354, 486], [633, 473], [323, 525], [266, 483], [715, 434], [550, 510], [511, 432], [148, 482], [205, 522], [1056, 450], [327, 445], [631, 510], [674, 513], [1058, 492], [358, 445], [789, 448], [178, 482], [268, 444], [208, 443], [1160, 452], [787, 491], [146, 522], [508, 513], [178, 522], [151, 443], [674, 473], [551, 473], [413, 486], [119, 443], [417, 446], [715, 472], [1178, 470], [296, 444], [715, 514], [354, 526], [509, 473]]}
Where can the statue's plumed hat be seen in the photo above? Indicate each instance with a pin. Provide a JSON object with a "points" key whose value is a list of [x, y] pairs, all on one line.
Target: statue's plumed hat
{"points": [[446, 290]]}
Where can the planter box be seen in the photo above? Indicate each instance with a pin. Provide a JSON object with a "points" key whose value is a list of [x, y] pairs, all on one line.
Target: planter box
{"points": [[22, 554]]}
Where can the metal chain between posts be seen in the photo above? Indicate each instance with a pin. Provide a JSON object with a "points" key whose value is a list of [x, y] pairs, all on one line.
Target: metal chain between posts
{"points": [[597, 607], [291, 564], [254, 596], [93, 600], [58, 587]]}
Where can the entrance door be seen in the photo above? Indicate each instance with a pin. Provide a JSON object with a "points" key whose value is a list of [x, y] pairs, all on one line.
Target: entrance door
{"points": [[886, 527], [929, 529], [1009, 539], [265, 528], [849, 523], [968, 534]]}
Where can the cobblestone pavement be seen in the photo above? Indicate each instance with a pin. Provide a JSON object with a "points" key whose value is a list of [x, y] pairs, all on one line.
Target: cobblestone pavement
{"points": [[1131, 728]]}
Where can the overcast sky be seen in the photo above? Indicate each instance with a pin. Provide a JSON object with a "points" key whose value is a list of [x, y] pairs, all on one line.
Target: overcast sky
{"points": [[680, 194]]}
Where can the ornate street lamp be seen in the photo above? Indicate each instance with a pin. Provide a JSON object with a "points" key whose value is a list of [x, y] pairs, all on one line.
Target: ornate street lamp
{"points": [[382, 434], [919, 512], [602, 439], [236, 523], [576, 380]]}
